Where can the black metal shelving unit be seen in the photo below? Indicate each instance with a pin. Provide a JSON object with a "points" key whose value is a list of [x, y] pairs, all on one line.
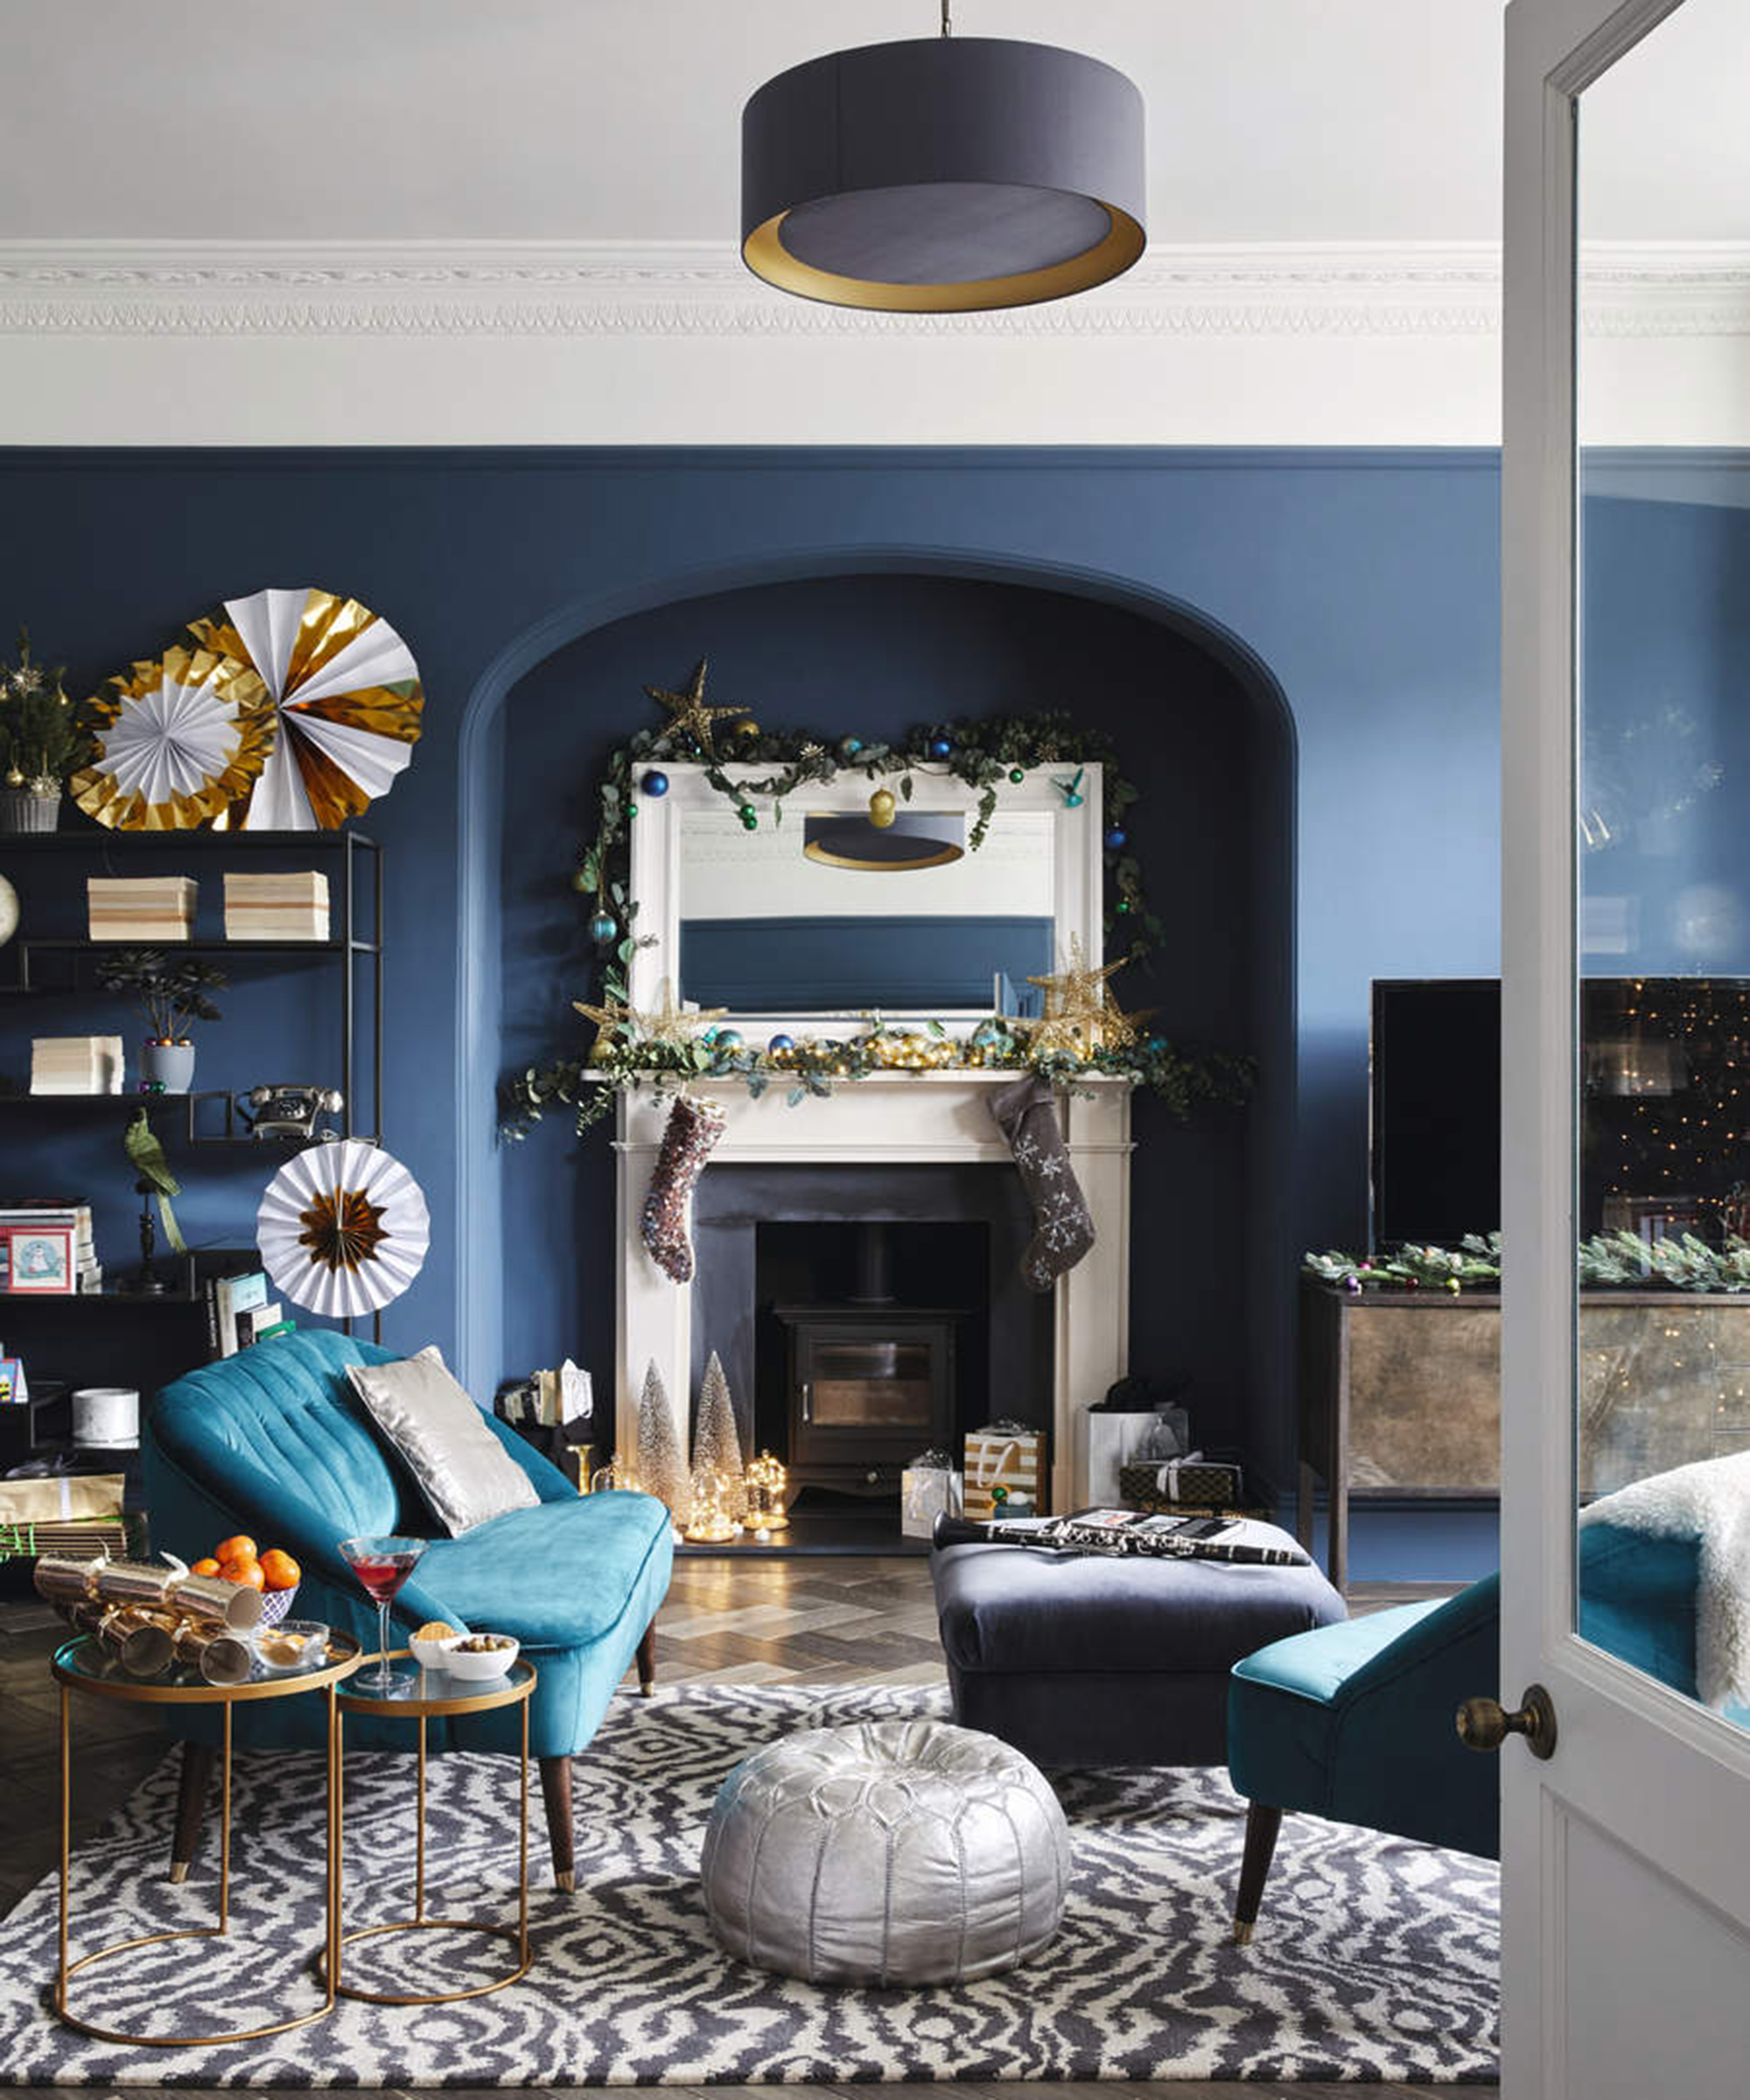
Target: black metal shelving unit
{"points": [[66, 959]]}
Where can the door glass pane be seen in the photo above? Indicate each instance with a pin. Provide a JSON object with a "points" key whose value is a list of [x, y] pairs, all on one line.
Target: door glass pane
{"points": [[1662, 1173], [859, 1383]]}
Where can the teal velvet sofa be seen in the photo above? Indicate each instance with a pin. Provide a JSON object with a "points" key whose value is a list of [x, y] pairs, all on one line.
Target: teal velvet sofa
{"points": [[274, 1442]]}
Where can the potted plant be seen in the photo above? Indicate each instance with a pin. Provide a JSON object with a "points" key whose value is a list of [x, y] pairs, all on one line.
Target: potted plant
{"points": [[44, 738], [173, 994]]}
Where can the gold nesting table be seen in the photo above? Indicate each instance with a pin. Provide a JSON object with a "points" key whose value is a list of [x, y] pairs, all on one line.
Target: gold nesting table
{"points": [[84, 1667], [436, 1694]]}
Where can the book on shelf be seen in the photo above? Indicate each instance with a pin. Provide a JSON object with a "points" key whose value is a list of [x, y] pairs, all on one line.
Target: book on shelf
{"points": [[140, 907], [254, 1321], [76, 1064], [15, 1388], [277, 907], [231, 1300]]}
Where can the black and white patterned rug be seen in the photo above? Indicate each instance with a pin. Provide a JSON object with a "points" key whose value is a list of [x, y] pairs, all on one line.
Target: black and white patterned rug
{"points": [[1376, 1959]]}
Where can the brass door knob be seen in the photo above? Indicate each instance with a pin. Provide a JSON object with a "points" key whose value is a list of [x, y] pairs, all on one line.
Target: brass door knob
{"points": [[1484, 1724]]}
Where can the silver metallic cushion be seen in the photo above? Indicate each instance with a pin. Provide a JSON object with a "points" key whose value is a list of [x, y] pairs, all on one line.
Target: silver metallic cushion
{"points": [[895, 1853], [460, 1466]]}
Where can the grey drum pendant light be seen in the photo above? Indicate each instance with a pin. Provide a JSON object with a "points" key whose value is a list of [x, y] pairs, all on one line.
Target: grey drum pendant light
{"points": [[914, 839], [944, 175]]}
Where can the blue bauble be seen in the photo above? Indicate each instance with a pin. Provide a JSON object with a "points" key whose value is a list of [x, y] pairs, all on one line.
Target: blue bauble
{"points": [[782, 1042], [727, 1039], [851, 746], [655, 784], [1072, 801], [602, 927], [940, 748], [1117, 840]]}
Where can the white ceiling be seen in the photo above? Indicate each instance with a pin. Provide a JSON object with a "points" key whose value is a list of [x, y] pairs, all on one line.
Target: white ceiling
{"points": [[1269, 120]]}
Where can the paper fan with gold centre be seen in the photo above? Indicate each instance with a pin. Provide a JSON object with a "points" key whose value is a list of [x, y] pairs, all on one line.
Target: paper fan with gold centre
{"points": [[342, 1229], [346, 700], [184, 736]]}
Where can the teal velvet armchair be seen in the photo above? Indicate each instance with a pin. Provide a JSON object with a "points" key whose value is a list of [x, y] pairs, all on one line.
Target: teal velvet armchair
{"points": [[1355, 1721], [274, 1442]]}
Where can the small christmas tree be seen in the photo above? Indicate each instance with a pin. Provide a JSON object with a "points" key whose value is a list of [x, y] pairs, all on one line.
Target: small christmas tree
{"points": [[661, 1463], [717, 1444]]}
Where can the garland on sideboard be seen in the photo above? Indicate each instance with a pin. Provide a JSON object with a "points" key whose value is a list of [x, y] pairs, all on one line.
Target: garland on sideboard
{"points": [[1608, 1260], [984, 753]]}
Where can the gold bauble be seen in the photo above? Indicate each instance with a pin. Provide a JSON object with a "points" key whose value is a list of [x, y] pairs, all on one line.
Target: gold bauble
{"points": [[882, 808]]}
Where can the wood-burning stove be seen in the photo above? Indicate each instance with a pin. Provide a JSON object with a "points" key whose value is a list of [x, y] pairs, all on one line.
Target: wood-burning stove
{"points": [[871, 1382]]}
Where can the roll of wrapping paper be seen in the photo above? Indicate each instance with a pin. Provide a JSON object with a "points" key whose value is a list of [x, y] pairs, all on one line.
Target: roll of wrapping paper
{"points": [[62, 1578], [233, 1606], [222, 1659], [140, 1641]]}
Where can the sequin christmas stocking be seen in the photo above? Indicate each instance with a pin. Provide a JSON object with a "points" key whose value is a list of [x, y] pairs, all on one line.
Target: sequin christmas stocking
{"points": [[693, 1129], [1027, 1118]]}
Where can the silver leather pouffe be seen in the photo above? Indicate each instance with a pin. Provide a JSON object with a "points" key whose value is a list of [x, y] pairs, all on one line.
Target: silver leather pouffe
{"points": [[896, 1853]]}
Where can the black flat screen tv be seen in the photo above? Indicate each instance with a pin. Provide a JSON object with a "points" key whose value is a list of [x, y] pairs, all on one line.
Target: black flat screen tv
{"points": [[1435, 1121]]}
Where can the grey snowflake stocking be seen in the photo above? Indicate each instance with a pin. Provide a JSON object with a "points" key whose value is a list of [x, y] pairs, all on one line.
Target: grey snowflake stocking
{"points": [[687, 1141], [1027, 1117]]}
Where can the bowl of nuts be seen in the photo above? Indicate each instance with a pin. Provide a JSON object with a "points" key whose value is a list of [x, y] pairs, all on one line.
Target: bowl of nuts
{"points": [[478, 1657]]}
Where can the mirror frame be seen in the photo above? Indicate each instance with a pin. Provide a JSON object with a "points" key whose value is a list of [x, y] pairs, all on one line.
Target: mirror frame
{"points": [[1078, 872]]}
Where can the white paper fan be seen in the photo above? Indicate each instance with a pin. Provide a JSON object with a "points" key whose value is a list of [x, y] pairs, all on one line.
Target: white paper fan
{"points": [[343, 1228], [347, 700]]}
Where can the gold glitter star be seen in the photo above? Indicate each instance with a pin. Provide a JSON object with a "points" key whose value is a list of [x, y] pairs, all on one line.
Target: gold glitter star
{"points": [[663, 1023], [1080, 1013], [688, 717]]}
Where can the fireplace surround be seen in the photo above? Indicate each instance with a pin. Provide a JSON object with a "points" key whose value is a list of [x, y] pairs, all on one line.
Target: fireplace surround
{"points": [[1055, 1354]]}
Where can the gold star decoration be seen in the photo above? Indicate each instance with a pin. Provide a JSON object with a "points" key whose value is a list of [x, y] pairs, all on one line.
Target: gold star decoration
{"points": [[341, 1229], [664, 1023], [1080, 1013], [688, 717]]}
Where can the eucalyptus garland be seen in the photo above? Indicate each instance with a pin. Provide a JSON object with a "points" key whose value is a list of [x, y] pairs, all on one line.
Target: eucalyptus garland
{"points": [[1182, 1080], [1608, 1260]]}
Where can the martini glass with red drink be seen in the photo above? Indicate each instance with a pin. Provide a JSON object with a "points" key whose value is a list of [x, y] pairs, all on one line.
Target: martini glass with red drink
{"points": [[382, 1565]]}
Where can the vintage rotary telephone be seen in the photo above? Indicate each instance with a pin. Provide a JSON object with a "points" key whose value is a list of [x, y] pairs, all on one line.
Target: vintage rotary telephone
{"points": [[288, 1110]]}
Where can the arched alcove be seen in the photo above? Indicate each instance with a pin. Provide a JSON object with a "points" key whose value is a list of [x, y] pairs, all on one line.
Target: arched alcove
{"points": [[872, 645]]}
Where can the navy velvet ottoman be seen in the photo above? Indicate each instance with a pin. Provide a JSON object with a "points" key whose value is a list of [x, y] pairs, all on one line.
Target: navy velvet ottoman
{"points": [[1077, 1659]]}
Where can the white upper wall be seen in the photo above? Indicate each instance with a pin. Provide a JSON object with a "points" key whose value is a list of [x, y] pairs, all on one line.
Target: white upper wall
{"points": [[415, 221]]}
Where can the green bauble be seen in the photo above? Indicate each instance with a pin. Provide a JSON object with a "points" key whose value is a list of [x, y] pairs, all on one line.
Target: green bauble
{"points": [[1017, 775]]}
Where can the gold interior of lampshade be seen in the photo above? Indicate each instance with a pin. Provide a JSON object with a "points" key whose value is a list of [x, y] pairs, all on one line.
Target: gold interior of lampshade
{"points": [[766, 256], [932, 851]]}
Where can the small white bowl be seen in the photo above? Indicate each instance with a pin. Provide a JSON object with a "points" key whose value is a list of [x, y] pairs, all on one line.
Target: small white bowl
{"points": [[430, 1654], [478, 1667]]}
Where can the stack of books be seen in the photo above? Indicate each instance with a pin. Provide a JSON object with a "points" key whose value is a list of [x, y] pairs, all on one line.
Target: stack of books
{"points": [[277, 907], [239, 1312], [50, 1215], [140, 907], [76, 1064]]}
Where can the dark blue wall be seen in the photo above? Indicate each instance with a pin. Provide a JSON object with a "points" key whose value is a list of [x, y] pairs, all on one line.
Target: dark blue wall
{"points": [[1366, 583]]}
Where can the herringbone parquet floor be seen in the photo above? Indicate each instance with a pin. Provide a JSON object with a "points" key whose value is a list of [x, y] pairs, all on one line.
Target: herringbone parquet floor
{"points": [[800, 1621]]}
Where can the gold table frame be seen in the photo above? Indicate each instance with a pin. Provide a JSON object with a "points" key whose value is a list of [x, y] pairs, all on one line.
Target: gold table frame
{"points": [[224, 1697], [516, 1688]]}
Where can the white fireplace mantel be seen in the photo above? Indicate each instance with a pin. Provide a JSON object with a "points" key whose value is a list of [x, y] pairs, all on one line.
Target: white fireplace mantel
{"points": [[890, 1119]]}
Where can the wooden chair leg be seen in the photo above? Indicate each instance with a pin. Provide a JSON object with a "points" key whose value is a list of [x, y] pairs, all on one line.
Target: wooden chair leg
{"points": [[646, 1659], [198, 1760], [556, 1791], [1261, 1826]]}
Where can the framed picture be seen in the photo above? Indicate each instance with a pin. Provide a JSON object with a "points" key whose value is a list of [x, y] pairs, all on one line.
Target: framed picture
{"points": [[38, 1258]]}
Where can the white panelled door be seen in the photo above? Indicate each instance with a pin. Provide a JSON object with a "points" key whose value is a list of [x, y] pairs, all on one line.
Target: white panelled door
{"points": [[1626, 1964]]}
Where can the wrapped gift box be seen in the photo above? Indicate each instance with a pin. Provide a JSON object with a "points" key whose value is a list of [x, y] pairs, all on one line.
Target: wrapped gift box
{"points": [[1007, 1455], [61, 1498], [930, 1487], [277, 907], [1174, 1483]]}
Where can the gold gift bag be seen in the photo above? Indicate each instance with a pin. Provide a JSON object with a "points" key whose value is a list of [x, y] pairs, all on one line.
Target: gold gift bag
{"points": [[1008, 1455]]}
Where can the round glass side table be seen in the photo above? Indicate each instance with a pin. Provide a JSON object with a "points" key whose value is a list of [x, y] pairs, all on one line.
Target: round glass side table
{"points": [[434, 1694], [85, 1666]]}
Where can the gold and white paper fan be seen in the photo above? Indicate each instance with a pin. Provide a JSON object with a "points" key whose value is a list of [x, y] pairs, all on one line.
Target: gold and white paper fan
{"points": [[185, 736], [346, 697], [342, 1229]]}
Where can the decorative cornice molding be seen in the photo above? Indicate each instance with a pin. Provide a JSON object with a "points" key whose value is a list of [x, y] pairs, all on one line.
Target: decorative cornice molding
{"points": [[689, 289]]}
